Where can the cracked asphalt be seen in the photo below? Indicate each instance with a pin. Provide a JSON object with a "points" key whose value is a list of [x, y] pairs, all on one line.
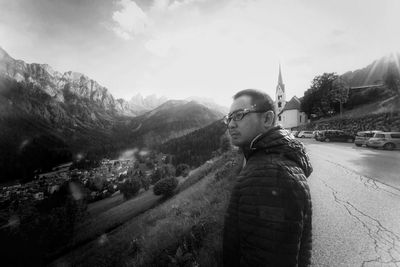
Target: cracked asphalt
{"points": [[356, 205]]}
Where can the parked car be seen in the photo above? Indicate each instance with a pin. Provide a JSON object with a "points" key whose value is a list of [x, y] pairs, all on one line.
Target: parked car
{"points": [[385, 140], [336, 135], [295, 133], [308, 134], [363, 136], [318, 135]]}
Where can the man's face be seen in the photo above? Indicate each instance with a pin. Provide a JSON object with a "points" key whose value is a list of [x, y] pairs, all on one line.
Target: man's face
{"points": [[243, 132]]}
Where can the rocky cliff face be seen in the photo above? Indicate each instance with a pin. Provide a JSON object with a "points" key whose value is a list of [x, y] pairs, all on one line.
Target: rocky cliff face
{"points": [[57, 84]]}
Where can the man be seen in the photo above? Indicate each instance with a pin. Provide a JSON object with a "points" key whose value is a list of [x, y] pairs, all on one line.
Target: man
{"points": [[268, 221]]}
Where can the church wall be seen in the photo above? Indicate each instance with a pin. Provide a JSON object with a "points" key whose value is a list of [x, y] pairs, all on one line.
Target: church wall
{"points": [[289, 118]]}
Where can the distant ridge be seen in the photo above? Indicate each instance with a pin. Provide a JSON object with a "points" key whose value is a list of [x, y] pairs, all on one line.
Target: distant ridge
{"points": [[373, 74]]}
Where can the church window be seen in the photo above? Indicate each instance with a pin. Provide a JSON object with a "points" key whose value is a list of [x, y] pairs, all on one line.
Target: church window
{"points": [[280, 119], [279, 104], [300, 118]]}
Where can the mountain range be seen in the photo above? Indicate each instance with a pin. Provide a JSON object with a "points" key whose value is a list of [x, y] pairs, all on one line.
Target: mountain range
{"points": [[57, 85], [47, 114]]}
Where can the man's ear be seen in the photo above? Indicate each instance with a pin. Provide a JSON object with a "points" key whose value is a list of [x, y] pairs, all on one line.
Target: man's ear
{"points": [[269, 118]]}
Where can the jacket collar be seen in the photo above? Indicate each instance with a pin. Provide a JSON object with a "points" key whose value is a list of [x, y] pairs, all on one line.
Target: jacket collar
{"points": [[262, 140]]}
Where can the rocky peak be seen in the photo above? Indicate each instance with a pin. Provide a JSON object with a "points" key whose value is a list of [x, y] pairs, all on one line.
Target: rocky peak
{"points": [[209, 103], [55, 84], [148, 102]]}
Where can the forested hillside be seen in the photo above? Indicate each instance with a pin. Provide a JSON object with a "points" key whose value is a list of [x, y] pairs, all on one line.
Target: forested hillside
{"points": [[197, 147]]}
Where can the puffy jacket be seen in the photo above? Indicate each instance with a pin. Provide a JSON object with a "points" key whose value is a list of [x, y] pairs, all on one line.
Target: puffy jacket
{"points": [[268, 220]]}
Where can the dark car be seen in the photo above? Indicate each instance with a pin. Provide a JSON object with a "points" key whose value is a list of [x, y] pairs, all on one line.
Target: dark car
{"points": [[318, 135], [336, 135]]}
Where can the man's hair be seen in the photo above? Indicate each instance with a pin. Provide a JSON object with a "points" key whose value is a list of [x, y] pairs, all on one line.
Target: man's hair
{"points": [[261, 100]]}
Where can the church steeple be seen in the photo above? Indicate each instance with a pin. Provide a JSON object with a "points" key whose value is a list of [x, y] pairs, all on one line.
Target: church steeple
{"points": [[280, 98], [280, 82]]}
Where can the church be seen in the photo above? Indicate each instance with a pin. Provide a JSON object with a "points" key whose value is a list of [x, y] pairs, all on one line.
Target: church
{"points": [[289, 113]]}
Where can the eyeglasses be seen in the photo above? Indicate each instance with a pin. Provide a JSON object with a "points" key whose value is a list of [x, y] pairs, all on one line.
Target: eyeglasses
{"points": [[239, 115]]}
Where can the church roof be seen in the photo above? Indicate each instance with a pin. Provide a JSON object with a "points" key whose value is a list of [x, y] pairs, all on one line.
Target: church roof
{"points": [[294, 103]]}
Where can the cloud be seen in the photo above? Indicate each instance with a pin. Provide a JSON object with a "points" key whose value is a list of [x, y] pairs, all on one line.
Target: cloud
{"points": [[131, 20], [159, 46], [338, 32], [298, 61]]}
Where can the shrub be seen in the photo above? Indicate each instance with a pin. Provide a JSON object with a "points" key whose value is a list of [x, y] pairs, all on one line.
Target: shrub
{"points": [[165, 186], [130, 188]]}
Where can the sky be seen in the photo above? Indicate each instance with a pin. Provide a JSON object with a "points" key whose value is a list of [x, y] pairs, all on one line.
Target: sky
{"points": [[205, 48]]}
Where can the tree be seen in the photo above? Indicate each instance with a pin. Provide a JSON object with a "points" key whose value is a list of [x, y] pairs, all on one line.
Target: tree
{"points": [[96, 184], [339, 92], [324, 95], [150, 164], [156, 176], [130, 187], [225, 144], [163, 171], [182, 169], [168, 170], [145, 182]]}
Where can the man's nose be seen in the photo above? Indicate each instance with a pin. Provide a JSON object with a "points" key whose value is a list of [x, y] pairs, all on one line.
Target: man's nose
{"points": [[232, 124]]}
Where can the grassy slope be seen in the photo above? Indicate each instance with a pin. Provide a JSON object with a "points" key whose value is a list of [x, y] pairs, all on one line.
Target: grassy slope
{"points": [[113, 212], [100, 206], [114, 217], [142, 240], [388, 105]]}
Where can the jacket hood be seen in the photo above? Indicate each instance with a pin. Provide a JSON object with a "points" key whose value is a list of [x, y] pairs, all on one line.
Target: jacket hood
{"points": [[279, 141]]}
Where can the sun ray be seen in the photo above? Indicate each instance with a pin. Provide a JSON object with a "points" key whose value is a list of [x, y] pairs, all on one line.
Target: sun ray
{"points": [[371, 71], [396, 61]]}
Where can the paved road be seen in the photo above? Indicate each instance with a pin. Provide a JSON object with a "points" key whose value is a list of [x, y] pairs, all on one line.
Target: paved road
{"points": [[356, 205]]}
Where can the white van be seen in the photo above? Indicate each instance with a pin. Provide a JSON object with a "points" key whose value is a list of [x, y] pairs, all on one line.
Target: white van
{"points": [[385, 140], [363, 137]]}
